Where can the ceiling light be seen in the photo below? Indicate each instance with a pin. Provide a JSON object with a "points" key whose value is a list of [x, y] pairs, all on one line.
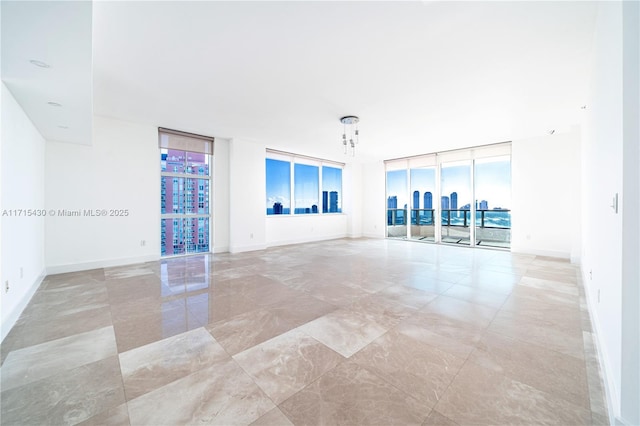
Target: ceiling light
{"points": [[63, 127], [350, 127], [40, 63], [54, 104]]}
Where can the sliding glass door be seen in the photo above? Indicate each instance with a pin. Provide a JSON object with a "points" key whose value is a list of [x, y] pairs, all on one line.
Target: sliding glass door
{"points": [[455, 202], [423, 188], [492, 182], [454, 197], [397, 200]]}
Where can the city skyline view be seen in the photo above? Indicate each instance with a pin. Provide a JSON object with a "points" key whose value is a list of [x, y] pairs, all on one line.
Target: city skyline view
{"points": [[425, 201], [309, 197], [492, 181]]}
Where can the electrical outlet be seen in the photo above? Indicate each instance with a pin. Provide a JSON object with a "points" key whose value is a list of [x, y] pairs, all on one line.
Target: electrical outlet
{"points": [[598, 295], [590, 274], [251, 235], [143, 243], [6, 286], [21, 272]]}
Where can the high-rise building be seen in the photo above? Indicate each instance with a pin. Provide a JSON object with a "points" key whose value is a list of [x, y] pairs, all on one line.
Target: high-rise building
{"points": [[445, 203], [325, 201], [314, 209], [333, 202], [428, 200], [184, 195], [416, 199], [454, 201], [277, 208], [392, 202], [484, 205]]}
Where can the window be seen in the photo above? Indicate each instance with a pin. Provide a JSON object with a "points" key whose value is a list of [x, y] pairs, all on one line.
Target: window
{"points": [[457, 197], [331, 190], [306, 186], [278, 186], [302, 185], [396, 203], [184, 201]]}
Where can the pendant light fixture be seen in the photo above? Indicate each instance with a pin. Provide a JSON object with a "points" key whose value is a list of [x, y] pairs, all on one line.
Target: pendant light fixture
{"points": [[350, 131]]}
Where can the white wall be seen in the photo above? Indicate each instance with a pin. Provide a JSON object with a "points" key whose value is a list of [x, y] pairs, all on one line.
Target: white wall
{"points": [[602, 179], [373, 200], [293, 229], [352, 189], [23, 156], [630, 333], [221, 195], [247, 182], [546, 195], [119, 171]]}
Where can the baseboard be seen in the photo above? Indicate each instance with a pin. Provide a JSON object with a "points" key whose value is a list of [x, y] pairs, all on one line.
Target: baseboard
{"points": [[242, 249], [224, 249], [107, 263], [368, 235], [536, 252], [15, 313], [306, 239], [609, 387]]}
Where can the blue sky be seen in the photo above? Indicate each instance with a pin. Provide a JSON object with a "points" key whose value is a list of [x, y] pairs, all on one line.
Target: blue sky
{"points": [[306, 185], [278, 183]]}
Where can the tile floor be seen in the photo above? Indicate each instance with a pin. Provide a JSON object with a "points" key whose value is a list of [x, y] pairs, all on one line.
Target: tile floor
{"points": [[353, 332]]}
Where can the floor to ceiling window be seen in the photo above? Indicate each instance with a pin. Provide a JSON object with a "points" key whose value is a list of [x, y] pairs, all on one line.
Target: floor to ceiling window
{"points": [[397, 199], [185, 182], [434, 197], [455, 201], [492, 182], [422, 178]]}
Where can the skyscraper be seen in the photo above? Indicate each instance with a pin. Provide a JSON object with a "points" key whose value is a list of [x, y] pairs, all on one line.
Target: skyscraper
{"points": [[445, 203], [454, 201], [181, 195], [277, 208], [392, 202], [416, 199], [428, 200], [484, 205], [325, 201], [333, 202]]}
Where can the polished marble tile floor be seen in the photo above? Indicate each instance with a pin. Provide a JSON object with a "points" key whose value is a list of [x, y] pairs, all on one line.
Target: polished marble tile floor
{"points": [[352, 332]]}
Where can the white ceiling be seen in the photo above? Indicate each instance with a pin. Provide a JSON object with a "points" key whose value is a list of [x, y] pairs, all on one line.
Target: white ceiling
{"points": [[422, 76], [58, 34]]}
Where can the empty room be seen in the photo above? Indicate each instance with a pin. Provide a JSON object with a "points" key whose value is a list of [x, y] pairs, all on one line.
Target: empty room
{"points": [[320, 213]]}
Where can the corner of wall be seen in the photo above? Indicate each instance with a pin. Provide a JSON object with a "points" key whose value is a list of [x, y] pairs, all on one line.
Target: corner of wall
{"points": [[610, 393], [9, 320]]}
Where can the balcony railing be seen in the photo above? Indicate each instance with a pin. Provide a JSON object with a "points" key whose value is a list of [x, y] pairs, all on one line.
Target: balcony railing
{"points": [[497, 218], [396, 217]]}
